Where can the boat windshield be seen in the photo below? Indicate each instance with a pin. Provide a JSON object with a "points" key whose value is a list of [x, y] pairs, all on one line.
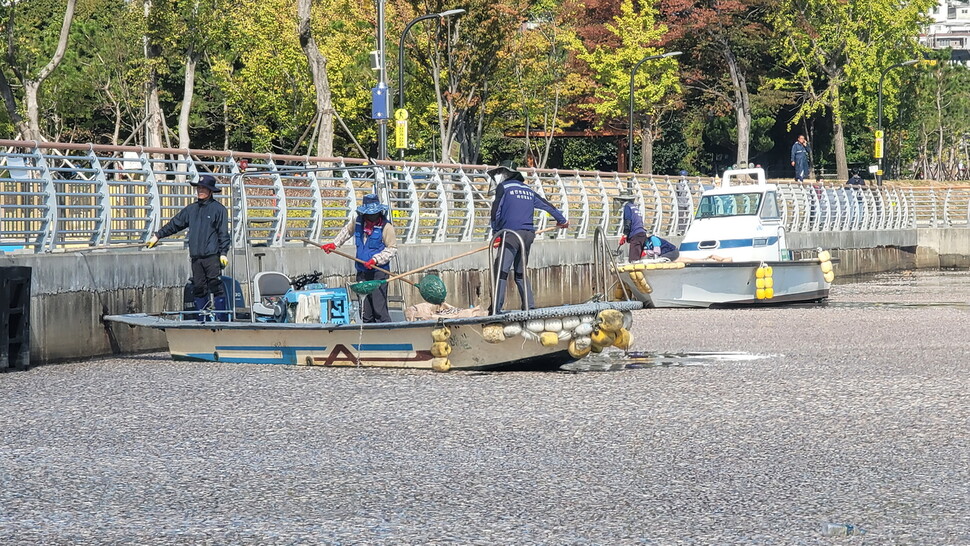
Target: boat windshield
{"points": [[734, 204]]}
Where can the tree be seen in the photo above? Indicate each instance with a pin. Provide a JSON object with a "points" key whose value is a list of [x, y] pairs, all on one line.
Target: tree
{"points": [[836, 46], [655, 81], [318, 73], [21, 57], [726, 42]]}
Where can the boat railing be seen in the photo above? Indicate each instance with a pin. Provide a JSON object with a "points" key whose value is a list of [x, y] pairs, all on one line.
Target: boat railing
{"points": [[606, 274]]}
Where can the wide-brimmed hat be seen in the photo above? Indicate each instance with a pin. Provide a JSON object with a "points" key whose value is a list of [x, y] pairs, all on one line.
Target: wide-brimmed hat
{"points": [[625, 195], [501, 174], [372, 205], [208, 182]]}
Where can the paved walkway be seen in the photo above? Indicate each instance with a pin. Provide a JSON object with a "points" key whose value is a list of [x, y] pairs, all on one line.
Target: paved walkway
{"points": [[858, 412]]}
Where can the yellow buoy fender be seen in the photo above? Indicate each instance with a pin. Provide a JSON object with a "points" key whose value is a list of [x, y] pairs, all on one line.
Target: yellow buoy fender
{"points": [[769, 271], [759, 273], [769, 293], [623, 339], [602, 338], [760, 293], [441, 334], [512, 329], [611, 320], [440, 364], [441, 348], [769, 282], [759, 283], [824, 256], [618, 293], [548, 339], [578, 348], [829, 277], [493, 333], [826, 267]]}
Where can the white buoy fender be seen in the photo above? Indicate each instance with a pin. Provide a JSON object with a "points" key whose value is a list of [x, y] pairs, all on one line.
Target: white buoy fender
{"points": [[553, 325], [535, 325], [570, 323], [512, 329], [584, 329]]}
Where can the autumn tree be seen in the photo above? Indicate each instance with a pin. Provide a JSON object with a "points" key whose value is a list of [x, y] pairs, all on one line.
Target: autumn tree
{"points": [[725, 44], [835, 47], [27, 46], [655, 82]]}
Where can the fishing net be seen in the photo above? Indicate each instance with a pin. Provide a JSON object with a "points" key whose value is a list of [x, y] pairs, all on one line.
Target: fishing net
{"points": [[431, 287]]}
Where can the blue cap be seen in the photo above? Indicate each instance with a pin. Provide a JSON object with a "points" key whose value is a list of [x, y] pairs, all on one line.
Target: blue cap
{"points": [[372, 205]]}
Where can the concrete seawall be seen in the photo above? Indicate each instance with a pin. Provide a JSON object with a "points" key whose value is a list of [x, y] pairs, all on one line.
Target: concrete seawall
{"points": [[72, 291]]}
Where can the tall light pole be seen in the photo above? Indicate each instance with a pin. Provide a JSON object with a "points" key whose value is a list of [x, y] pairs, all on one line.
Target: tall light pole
{"points": [[633, 73], [880, 142], [400, 70], [380, 101]]}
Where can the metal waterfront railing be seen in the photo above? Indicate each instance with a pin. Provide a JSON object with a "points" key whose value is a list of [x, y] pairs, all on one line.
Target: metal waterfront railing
{"points": [[55, 196]]}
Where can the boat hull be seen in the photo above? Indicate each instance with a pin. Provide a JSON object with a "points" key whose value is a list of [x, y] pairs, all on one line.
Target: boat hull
{"points": [[389, 345], [702, 285]]}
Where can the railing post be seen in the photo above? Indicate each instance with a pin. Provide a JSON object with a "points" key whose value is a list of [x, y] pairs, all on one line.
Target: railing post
{"points": [[51, 215], [103, 235]]}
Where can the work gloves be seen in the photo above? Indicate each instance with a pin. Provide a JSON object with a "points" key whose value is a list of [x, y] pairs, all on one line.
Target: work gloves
{"points": [[622, 240], [370, 263], [223, 261], [152, 242], [329, 247]]}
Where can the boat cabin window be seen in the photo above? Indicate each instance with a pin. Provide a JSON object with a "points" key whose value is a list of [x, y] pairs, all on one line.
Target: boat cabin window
{"points": [[734, 204], [770, 209]]}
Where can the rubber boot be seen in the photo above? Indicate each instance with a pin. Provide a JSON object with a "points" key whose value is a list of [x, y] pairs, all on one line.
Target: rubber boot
{"points": [[525, 291], [201, 304], [500, 295], [222, 308]]}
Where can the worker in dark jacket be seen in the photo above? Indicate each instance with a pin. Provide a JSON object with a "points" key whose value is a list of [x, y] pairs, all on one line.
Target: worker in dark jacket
{"points": [[376, 241], [208, 225], [633, 230], [513, 209]]}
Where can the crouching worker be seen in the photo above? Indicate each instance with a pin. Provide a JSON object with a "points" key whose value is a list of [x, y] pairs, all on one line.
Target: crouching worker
{"points": [[657, 247], [208, 225], [376, 245]]}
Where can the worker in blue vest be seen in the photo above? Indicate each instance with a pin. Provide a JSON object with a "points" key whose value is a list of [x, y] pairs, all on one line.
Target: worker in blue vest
{"points": [[208, 224], [513, 209], [633, 231], [376, 242], [658, 247]]}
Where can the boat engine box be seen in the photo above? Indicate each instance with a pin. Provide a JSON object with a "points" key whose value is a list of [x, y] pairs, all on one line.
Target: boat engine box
{"points": [[334, 303]]}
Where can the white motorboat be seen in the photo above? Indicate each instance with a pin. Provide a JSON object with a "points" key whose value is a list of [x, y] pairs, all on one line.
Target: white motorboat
{"points": [[734, 253]]}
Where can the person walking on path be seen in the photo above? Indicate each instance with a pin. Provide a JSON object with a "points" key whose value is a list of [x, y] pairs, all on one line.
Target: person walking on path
{"points": [[513, 209], [633, 230], [376, 243], [800, 153], [208, 224]]}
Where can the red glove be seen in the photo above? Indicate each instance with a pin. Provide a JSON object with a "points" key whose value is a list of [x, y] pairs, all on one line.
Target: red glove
{"points": [[370, 263], [562, 225], [329, 247], [622, 240], [497, 242]]}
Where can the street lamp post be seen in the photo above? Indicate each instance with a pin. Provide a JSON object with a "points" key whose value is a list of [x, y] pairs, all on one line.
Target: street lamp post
{"points": [[880, 146], [400, 57], [633, 73]]}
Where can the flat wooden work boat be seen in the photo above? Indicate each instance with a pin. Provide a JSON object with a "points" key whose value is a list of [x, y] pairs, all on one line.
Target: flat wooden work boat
{"points": [[516, 339]]}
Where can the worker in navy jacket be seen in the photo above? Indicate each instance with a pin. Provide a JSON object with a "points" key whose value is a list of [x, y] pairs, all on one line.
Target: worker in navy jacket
{"points": [[208, 224], [376, 242], [512, 211], [633, 230]]}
